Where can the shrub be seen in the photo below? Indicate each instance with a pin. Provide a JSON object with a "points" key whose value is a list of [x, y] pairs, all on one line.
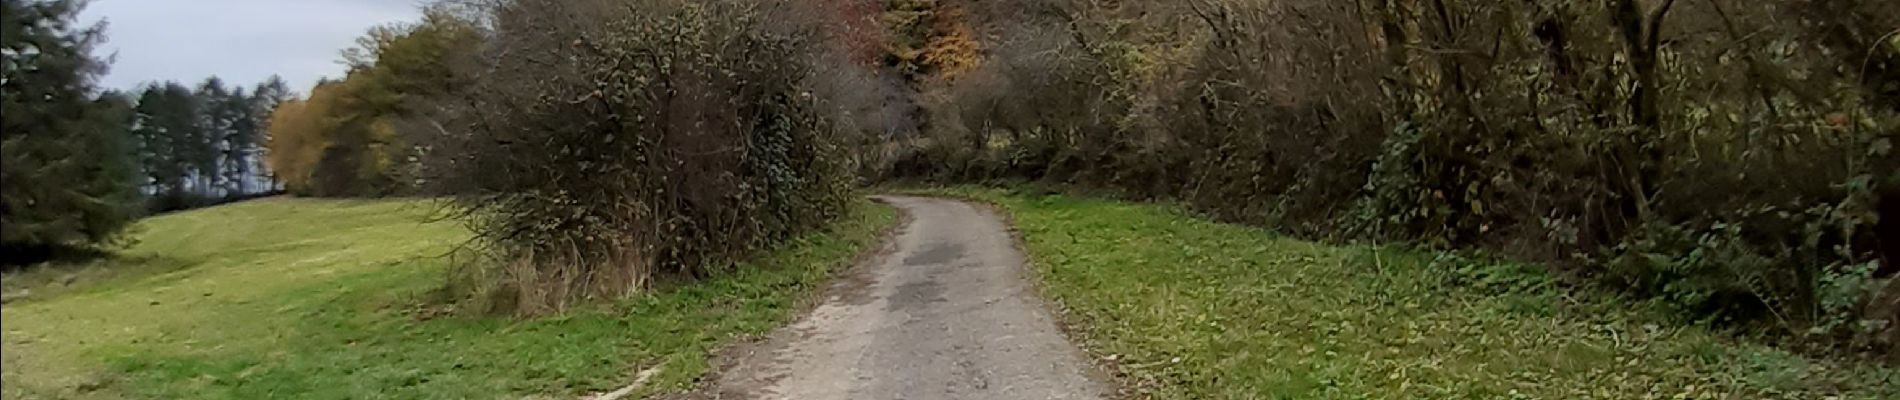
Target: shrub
{"points": [[608, 141]]}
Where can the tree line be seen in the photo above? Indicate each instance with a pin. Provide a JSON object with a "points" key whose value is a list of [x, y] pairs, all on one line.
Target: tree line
{"points": [[1730, 160], [202, 145], [81, 163]]}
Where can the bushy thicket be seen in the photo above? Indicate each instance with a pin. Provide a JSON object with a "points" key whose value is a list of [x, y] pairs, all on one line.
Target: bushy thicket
{"points": [[602, 143], [1724, 157]]}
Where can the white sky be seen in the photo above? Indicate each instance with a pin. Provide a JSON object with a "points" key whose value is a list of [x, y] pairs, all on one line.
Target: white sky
{"points": [[241, 41]]}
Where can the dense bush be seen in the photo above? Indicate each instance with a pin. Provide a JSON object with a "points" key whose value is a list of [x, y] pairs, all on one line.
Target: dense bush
{"points": [[1725, 157], [604, 142]]}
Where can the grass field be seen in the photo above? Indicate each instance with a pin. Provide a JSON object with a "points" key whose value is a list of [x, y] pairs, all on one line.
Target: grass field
{"points": [[294, 298], [1191, 309]]}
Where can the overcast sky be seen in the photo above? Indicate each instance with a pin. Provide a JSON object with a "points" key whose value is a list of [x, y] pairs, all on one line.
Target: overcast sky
{"points": [[241, 41]]}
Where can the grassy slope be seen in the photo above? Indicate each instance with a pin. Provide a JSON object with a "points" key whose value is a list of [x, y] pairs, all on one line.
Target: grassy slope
{"points": [[1192, 309], [314, 299]]}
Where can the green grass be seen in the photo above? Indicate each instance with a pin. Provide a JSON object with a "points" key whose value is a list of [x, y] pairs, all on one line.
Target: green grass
{"points": [[1192, 309], [292, 298]]}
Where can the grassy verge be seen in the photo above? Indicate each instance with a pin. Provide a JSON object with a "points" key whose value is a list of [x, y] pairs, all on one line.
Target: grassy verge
{"points": [[1191, 309], [290, 298]]}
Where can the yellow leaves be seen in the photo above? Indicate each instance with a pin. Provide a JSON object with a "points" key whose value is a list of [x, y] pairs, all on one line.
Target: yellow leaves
{"points": [[304, 133], [352, 122], [953, 48], [297, 138], [382, 148], [934, 38]]}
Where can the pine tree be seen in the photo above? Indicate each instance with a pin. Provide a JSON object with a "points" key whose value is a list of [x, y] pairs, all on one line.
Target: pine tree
{"points": [[229, 126], [63, 148], [168, 131], [208, 143], [239, 140], [264, 101]]}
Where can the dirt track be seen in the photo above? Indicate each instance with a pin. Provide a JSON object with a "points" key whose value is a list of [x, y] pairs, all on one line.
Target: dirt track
{"points": [[945, 312]]}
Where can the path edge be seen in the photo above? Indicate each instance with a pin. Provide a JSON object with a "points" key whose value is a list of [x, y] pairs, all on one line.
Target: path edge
{"points": [[1104, 370], [729, 355]]}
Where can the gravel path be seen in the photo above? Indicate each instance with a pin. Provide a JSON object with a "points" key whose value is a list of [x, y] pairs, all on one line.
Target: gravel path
{"points": [[945, 312]]}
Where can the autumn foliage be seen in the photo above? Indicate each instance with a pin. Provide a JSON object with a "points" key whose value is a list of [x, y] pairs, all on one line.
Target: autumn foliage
{"points": [[346, 139]]}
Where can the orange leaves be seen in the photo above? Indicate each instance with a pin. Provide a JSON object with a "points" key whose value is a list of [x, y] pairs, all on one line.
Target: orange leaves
{"points": [[934, 39], [952, 48]]}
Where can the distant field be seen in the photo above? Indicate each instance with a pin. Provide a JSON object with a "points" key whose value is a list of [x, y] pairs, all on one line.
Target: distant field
{"points": [[1192, 309], [296, 298]]}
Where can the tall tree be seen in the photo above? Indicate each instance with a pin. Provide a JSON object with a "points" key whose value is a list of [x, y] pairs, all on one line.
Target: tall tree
{"points": [[167, 132], [229, 126], [239, 142], [214, 125], [265, 101], [299, 134], [63, 154]]}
